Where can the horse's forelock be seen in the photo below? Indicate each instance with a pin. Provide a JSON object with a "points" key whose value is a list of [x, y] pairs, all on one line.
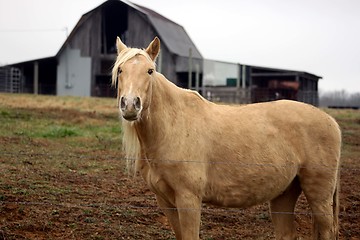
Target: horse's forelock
{"points": [[125, 56]]}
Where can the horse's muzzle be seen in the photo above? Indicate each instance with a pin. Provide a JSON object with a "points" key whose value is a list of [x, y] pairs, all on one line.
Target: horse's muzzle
{"points": [[130, 107]]}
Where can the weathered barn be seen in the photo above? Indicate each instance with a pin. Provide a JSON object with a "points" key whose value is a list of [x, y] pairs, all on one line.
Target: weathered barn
{"points": [[92, 44], [82, 65]]}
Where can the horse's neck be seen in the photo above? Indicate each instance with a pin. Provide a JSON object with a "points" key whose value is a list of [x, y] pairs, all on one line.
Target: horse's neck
{"points": [[168, 102], [164, 105]]}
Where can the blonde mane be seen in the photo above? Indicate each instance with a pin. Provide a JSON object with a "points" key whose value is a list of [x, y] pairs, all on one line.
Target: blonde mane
{"points": [[130, 140], [131, 147]]}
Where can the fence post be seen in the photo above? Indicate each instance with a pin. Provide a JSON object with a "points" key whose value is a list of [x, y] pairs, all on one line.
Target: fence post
{"points": [[190, 69], [36, 77]]}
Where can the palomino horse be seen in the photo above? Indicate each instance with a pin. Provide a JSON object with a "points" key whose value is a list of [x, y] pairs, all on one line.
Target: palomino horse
{"points": [[190, 150]]}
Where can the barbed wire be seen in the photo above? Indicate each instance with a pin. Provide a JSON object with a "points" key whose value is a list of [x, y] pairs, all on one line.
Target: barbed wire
{"points": [[206, 209], [243, 164]]}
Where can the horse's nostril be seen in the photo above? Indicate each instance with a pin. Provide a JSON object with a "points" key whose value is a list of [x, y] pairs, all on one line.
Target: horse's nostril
{"points": [[122, 103], [137, 103]]}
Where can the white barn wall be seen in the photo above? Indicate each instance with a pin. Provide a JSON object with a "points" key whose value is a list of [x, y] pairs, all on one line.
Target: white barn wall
{"points": [[78, 72]]}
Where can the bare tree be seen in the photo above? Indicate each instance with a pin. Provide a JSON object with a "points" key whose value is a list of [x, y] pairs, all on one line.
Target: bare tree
{"points": [[339, 98]]}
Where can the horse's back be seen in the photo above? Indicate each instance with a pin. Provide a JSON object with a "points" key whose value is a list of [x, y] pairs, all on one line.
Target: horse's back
{"points": [[289, 119], [307, 127]]}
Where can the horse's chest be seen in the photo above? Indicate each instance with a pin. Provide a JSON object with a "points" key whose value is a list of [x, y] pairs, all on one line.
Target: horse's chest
{"points": [[160, 186]]}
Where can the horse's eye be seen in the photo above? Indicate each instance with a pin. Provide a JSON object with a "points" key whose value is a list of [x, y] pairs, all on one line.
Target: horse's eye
{"points": [[119, 71], [150, 71]]}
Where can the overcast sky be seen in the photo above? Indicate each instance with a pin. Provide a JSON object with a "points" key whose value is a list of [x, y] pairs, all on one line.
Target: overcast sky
{"points": [[317, 36]]}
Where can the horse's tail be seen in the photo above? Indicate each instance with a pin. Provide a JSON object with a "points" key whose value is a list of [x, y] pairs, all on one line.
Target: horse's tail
{"points": [[336, 203], [336, 206]]}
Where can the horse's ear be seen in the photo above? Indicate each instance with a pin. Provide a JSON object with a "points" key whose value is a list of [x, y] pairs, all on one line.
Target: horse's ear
{"points": [[120, 45], [154, 48]]}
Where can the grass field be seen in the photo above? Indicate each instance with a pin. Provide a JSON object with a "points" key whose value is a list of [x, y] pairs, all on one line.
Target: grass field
{"points": [[62, 177]]}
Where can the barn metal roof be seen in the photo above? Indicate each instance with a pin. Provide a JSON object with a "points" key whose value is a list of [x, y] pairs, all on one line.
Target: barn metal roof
{"points": [[173, 34], [268, 71]]}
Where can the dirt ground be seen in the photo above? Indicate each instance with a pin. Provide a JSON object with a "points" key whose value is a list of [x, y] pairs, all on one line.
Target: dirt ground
{"points": [[62, 177]]}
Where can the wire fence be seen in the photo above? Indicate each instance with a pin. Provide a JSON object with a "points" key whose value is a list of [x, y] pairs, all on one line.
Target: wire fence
{"points": [[206, 209], [155, 208], [243, 164]]}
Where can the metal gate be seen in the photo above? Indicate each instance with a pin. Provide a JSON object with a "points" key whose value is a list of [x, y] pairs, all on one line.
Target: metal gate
{"points": [[10, 80]]}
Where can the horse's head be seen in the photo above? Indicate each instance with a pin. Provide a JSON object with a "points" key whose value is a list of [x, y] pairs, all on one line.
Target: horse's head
{"points": [[133, 73]]}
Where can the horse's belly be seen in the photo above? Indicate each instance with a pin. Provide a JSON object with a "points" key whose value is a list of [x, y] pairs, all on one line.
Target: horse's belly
{"points": [[244, 191]]}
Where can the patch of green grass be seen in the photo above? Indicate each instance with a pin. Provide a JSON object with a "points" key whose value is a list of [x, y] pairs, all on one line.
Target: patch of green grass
{"points": [[2, 197], [4, 113], [98, 130], [61, 132], [97, 237], [21, 191], [89, 220], [87, 212], [14, 115]]}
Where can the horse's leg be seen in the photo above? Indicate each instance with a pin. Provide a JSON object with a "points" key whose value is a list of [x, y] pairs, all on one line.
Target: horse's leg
{"points": [[189, 210], [282, 212], [320, 187], [172, 215], [322, 220]]}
